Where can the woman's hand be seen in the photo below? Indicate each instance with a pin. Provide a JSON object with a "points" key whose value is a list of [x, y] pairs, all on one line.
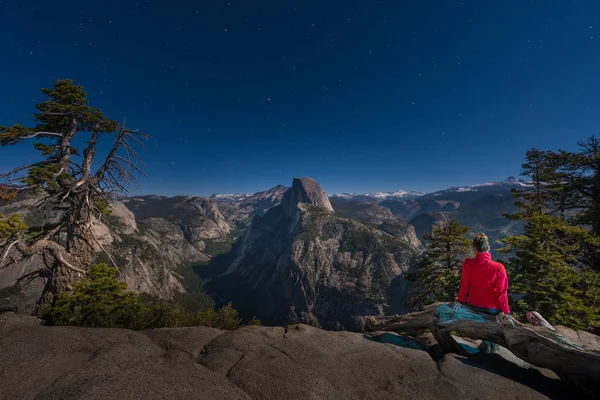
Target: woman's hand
{"points": [[456, 306]]}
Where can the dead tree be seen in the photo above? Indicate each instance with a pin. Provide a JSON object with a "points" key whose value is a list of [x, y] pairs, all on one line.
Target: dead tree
{"points": [[536, 345], [66, 180]]}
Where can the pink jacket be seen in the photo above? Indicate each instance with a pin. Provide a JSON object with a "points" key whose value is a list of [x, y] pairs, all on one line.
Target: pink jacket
{"points": [[484, 283]]}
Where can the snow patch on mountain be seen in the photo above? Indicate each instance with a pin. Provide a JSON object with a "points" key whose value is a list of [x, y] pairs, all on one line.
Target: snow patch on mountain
{"points": [[344, 195], [510, 181], [400, 194]]}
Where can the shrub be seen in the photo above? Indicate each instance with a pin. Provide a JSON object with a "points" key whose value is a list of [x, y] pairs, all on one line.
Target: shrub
{"points": [[100, 300], [10, 225]]}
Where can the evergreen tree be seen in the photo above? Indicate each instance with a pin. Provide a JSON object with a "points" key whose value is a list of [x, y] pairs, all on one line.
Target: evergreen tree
{"points": [[547, 272], [540, 168], [437, 273], [582, 171], [552, 259], [10, 226], [101, 300], [67, 180]]}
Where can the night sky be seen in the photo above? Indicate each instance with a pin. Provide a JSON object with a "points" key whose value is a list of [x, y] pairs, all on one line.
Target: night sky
{"points": [[361, 95]]}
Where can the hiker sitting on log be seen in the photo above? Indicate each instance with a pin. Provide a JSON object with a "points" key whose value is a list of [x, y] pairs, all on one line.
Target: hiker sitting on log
{"points": [[483, 284]]}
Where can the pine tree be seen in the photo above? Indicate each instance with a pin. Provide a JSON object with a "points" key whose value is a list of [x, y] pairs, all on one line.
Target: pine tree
{"points": [[582, 172], [101, 300], [65, 179], [437, 273], [546, 270], [540, 168], [552, 259]]}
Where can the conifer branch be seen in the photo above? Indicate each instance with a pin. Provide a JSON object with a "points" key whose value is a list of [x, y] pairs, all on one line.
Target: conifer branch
{"points": [[45, 134]]}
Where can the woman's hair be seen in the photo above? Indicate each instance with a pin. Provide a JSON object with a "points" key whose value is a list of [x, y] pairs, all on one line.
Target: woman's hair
{"points": [[481, 242]]}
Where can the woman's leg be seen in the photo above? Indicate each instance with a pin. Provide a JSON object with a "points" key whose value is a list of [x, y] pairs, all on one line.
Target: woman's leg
{"points": [[486, 346]]}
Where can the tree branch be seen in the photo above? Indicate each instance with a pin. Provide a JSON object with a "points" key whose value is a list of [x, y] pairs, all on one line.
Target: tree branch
{"points": [[18, 169], [40, 246], [536, 345], [102, 170], [6, 251], [36, 134]]}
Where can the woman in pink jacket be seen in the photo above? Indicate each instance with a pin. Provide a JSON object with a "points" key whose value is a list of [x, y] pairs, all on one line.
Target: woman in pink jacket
{"points": [[483, 285]]}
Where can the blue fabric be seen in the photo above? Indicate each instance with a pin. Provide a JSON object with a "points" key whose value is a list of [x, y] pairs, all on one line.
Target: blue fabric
{"points": [[446, 314], [488, 347], [469, 349], [401, 341]]}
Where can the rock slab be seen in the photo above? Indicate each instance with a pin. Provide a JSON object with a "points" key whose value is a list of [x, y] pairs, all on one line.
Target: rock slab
{"points": [[299, 362]]}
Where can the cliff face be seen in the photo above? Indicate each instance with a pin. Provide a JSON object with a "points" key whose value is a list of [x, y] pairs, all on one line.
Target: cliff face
{"points": [[199, 218], [239, 210], [423, 223], [330, 269], [305, 191], [153, 236], [367, 212], [149, 243]]}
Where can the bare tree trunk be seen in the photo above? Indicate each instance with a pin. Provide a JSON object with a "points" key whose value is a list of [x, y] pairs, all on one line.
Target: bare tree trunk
{"points": [[536, 345], [79, 236], [62, 270], [78, 246], [60, 280], [65, 145]]}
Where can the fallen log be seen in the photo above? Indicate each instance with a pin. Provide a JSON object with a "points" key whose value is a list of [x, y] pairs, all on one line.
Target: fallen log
{"points": [[538, 346]]}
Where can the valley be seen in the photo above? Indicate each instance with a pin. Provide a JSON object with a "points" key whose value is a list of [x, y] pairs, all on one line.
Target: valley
{"points": [[287, 253]]}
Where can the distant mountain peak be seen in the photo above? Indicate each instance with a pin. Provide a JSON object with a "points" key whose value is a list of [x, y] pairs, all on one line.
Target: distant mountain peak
{"points": [[380, 196], [516, 181], [305, 190], [510, 181]]}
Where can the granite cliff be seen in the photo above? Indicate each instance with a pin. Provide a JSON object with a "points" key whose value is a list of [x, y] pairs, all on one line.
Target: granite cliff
{"points": [[149, 238], [301, 260]]}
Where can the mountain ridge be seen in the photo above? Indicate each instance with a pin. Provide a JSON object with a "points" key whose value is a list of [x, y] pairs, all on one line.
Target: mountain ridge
{"points": [[331, 270], [383, 195], [154, 235]]}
